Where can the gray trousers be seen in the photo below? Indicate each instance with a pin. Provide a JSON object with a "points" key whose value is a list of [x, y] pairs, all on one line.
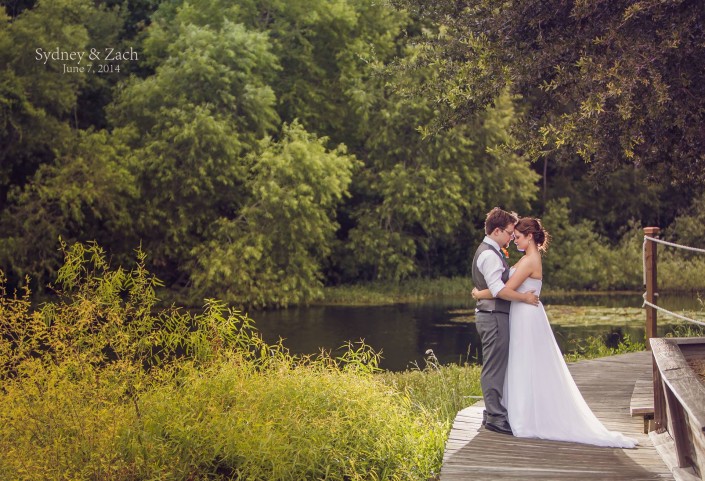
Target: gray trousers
{"points": [[494, 334]]}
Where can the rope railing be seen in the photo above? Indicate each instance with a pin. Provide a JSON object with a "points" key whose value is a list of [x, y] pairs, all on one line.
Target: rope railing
{"points": [[673, 244], [647, 303], [643, 257]]}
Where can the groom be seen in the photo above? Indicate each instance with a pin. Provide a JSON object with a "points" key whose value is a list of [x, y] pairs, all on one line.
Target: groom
{"points": [[490, 270]]}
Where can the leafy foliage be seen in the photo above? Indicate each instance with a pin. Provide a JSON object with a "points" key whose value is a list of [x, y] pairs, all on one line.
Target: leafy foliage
{"points": [[188, 145], [85, 194], [687, 229], [260, 150], [272, 252], [39, 103], [581, 258], [613, 82], [421, 198], [36, 101], [594, 347], [443, 389]]}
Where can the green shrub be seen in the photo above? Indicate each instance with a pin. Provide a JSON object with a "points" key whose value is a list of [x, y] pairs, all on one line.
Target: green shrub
{"points": [[64, 423], [579, 258], [95, 385], [686, 329], [287, 423]]}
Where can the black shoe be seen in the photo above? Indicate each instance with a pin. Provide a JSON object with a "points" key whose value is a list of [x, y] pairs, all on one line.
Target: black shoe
{"points": [[503, 428]]}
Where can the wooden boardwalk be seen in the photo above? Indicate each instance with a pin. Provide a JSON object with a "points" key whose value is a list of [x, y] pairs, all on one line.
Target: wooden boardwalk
{"points": [[607, 384]]}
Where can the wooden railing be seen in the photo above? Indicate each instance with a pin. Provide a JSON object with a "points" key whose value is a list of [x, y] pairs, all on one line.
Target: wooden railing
{"points": [[679, 396], [650, 258], [679, 401]]}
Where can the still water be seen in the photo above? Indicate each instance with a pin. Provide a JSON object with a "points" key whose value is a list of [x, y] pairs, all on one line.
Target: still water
{"points": [[404, 332]]}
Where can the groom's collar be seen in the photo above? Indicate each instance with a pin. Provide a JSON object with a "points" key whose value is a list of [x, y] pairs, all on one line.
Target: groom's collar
{"points": [[490, 241]]}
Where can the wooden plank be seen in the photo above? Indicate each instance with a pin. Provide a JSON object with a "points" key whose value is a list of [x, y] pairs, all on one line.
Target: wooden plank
{"points": [[680, 378], [660, 420], [698, 447], [642, 401], [667, 450], [687, 340], [607, 385], [677, 429]]}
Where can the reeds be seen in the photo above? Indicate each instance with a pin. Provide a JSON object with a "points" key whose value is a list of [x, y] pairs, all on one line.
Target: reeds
{"points": [[96, 385], [442, 390]]}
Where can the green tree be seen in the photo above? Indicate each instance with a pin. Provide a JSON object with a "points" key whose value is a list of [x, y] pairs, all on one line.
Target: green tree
{"points": [[190, 127], [57, 179], [36, 99], [687, 228], [272, 252], [39, 103], [579, 257], [311, 63], [614, 199], [426, 196], [613, 82], [327, 52], [85, 195]]}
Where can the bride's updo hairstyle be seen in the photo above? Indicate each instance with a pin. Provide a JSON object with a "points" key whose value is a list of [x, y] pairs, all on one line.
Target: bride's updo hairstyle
{"points": [[529, 225]]}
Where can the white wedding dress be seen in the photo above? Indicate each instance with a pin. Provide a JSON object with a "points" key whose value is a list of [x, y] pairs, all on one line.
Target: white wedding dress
{"points": [[540, 394]]}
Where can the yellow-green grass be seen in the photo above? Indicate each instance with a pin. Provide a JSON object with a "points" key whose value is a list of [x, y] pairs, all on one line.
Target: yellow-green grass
{"points": [[97, 385], [382, 292]]}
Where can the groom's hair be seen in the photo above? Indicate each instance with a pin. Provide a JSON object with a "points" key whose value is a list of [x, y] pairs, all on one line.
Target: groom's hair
{"points": [[498, 218]]}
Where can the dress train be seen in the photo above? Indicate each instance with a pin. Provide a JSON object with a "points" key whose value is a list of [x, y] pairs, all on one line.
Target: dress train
{"points": [[540, 395]]}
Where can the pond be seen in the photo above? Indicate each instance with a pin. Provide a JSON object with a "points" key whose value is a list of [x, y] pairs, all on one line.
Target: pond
{"points": [[404, 332]]}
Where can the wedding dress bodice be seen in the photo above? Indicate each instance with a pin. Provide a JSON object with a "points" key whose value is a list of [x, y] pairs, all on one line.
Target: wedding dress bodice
{"points": [[529, 284]]}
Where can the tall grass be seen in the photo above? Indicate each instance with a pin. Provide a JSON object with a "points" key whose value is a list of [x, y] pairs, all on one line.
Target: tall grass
{"points": [[95, 385], [687, 329], [305, 422], [442, 390]]}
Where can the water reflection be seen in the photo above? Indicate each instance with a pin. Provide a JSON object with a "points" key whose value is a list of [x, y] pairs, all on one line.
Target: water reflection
{"points": [[403, 332]]}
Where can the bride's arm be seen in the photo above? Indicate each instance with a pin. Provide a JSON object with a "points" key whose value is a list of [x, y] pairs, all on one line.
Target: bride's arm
{"points": [[523, 270], [508, 292], [511, 295]]}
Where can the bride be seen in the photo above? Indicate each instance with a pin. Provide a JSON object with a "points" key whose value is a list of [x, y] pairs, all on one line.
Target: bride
{"points": [[540, 394]]}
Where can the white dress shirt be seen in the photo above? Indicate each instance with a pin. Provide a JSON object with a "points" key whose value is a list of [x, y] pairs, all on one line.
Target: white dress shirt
{"points": [[491, 267]]}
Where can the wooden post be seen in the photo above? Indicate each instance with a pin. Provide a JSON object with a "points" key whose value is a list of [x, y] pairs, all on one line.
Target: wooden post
{"points": [[651, 293], [660, 419], [678, 428]]}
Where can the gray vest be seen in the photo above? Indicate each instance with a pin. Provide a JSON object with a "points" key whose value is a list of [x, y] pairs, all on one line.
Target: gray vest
{"points": [[479, 280]]}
